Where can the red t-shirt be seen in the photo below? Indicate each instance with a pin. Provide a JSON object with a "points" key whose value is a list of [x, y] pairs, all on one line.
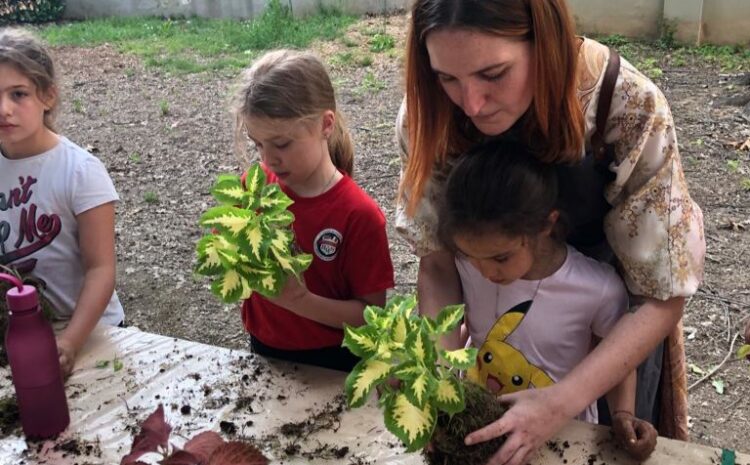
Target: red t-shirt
{"points": [[344, 230]]}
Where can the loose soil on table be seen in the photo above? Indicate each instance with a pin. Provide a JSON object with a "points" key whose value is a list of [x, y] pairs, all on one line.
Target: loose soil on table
{"points": [[163, 165]]}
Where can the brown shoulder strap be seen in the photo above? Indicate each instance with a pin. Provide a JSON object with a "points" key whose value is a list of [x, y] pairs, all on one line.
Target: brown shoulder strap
{"points": [[605, 101]]}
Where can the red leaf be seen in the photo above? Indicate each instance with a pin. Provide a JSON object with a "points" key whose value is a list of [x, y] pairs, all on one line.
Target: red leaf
{"points": [[154, 433], [182, 457], [203, 445], [237, 453]]}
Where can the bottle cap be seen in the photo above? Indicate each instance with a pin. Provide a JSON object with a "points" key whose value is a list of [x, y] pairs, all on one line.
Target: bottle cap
{"points": [[22, 300]]}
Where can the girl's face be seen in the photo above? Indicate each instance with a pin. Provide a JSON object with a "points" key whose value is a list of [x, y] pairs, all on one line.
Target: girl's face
{"points": [[489, 77], [501, 259], [22, 129], [296, 151]]}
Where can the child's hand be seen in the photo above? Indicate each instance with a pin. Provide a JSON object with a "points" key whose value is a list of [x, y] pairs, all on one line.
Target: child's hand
{"points": [[292, 296], [636, 436], [67, 353]]}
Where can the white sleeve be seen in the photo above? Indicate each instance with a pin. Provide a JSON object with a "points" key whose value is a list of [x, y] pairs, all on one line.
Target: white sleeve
{"points": [[92, 186]]}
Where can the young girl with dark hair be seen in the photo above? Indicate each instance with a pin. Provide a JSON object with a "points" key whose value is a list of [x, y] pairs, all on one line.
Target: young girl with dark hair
{"points": [[535, 306]]}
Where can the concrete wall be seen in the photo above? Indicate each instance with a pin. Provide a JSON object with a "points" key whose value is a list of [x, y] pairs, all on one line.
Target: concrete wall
{"points": [[726, 21], [693, 21], [630, 18]]}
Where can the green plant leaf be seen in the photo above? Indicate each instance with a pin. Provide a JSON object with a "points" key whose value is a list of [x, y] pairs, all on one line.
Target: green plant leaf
{"points": [[448, 318], [411, 424], [255, 181], [117, 364], [101, 364], [419, 388], [209, 261], [407, 370], [274, 199], [362, 341], [228, 286], [364, 377], [227, 219], [399, 329], [278, 219], [449, 395], [463, 359], [743, 351], [718, 384], [228, 190], [420, 347]]}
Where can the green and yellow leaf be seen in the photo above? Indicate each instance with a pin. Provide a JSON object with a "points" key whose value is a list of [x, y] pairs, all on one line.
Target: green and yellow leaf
{"points": [[399, 329], [228, 190], [420, 347], [362, 341], [364, 377], [420, 389], [226, 219], [209, 262], [255, 181], [449, 318], [274, 199], [463, 359], [411, 424], [449, 395], [743, 351], [228, 286]]}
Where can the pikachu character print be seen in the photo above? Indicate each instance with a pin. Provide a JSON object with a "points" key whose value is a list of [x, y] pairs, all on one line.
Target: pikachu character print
{"points": [[502, 368]]}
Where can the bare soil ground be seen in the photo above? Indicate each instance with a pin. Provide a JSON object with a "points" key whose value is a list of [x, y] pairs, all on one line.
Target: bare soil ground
{"points": [[163, 164]]}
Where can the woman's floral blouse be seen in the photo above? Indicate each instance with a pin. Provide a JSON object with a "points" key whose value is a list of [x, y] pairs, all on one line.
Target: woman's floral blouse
{"points": [[654, 227]]}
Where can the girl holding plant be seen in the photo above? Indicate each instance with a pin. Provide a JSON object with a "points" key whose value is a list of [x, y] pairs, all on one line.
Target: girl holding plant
{"points": [[286, 106], [479, 69], [534, 305], [57, 202]]}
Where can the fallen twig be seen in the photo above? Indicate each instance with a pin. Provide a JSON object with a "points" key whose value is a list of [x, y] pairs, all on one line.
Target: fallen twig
{"points": [[718, 367]]}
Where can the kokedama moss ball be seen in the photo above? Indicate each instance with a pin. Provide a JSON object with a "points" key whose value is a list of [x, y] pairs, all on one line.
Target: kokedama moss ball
{"points": [[448, 448]]}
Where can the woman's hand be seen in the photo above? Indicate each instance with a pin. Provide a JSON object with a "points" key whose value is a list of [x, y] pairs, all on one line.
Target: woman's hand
{"points": [[636, 436], [67, 353], [534, 416]]}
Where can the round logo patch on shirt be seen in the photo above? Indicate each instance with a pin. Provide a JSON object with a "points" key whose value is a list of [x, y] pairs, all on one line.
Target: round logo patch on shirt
{"points": [[327, 244]]}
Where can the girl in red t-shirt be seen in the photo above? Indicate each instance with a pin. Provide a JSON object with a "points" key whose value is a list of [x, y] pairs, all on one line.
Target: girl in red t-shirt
{"points": [[285, 105]]}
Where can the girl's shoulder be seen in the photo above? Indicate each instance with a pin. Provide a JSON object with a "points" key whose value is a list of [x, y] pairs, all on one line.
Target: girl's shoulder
{"points": [[357, 201], [597, 274]]}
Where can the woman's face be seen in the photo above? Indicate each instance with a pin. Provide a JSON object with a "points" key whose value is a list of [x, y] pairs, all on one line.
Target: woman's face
{"points": [[489, 77]]}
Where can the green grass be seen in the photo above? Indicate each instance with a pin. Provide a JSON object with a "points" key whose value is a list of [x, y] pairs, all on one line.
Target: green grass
{"points": [[381, 43], [650, 57], [197, 44], [151, 197]]}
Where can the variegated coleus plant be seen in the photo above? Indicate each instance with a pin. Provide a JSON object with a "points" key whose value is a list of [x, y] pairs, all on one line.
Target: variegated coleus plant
{"points": [[397, 343], [250, 246]]}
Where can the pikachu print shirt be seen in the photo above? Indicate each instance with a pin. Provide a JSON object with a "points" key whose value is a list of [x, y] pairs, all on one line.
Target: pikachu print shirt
{"points": [[530, 334]]}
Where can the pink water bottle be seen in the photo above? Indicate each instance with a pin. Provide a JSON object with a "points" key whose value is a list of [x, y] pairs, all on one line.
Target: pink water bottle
{"points": [[34, 364]]}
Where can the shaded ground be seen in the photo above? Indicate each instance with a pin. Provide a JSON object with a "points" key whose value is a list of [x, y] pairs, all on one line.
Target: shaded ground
{"points": [[164, 138]]}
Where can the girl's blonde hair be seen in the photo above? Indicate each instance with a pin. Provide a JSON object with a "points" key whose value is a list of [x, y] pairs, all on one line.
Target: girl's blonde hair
{"points": [[288, 84], [25, 52]]}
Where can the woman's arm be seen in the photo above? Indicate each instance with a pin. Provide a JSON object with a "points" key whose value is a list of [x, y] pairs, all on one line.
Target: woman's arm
{"points": [[438, 285], [536, 415], [96, 239]]}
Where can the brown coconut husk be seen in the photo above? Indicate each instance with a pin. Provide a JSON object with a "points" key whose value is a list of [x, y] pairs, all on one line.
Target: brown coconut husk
{"points": [[447, 444]]}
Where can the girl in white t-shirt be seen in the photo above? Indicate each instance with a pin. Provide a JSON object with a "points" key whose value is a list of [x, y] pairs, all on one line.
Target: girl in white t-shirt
{"points": [[535, 307], [57, 202]]}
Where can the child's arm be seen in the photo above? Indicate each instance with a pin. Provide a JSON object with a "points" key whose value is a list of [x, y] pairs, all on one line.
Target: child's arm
{"points": [[637, 437], [96, 238], [331, 312]]}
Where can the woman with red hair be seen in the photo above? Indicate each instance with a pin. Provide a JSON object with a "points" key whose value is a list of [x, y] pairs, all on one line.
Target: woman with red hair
{"points": [[483, 69]]}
